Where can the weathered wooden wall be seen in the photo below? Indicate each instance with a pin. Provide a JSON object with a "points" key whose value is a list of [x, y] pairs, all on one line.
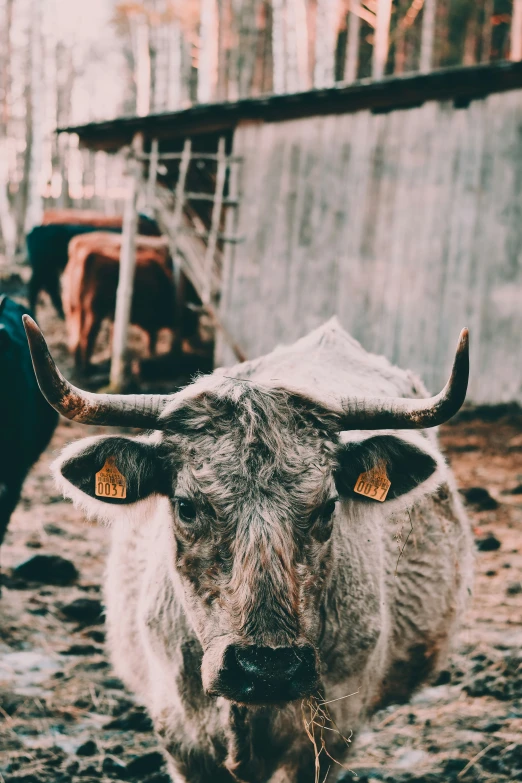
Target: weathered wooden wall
{"points": [[407, 225]]}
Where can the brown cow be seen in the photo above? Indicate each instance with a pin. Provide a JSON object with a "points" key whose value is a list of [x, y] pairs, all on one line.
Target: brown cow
{"points": [[89, 286], [80, 217], [90, 217]]}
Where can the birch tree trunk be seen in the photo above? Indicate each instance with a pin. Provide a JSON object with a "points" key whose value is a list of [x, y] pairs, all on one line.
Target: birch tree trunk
{"points": [[175, 67], [487, 30], [5, 63], [325, 42], [427, 35], [516, 31], [143, 65], [381, 38], [7, 218], [352, 47], [247, 17], [278, 46], [34, 203], [208, 51], [296, 35]]}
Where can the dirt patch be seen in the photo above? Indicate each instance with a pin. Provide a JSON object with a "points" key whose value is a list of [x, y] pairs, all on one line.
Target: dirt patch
{"points": [[64, 716]]}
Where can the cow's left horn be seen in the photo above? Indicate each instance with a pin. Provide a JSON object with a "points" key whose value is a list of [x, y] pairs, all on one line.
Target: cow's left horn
{"points": [[413, 414], [125, 410]]}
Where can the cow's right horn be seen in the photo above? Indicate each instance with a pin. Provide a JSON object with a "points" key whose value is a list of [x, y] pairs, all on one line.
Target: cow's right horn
{"points": [[124, 410]]}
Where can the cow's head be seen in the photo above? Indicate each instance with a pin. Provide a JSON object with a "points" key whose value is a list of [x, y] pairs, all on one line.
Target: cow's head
{"points": [[255, 480]]}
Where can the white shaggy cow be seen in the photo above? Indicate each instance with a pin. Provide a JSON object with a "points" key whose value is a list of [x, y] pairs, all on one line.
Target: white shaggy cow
{"points": [[249, 579]]}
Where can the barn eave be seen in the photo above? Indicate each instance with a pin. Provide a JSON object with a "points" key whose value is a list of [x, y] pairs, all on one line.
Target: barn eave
{"points": [[458, 84]]}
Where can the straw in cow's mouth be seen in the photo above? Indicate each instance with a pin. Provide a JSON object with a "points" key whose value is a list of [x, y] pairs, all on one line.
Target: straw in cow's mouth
{"points": [[317, 718]]}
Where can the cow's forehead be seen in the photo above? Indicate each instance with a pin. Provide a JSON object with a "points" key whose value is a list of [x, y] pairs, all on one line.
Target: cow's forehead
{"points": [[251, 440]]}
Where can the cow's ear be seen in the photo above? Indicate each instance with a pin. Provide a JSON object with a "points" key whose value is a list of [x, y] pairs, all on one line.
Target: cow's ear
{"points": [[410, 462], [131, 470]]}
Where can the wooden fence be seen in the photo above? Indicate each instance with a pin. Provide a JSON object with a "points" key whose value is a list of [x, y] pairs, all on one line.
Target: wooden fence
{"points": [[407, 225]]}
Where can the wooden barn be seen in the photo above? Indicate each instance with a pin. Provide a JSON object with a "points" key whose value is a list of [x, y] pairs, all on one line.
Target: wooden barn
{"points": [[396, 205]]}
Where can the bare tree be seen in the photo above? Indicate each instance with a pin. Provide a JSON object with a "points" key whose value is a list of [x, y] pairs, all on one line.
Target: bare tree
{"points": [[208, 54], [516, 31], [34, 203], [352, 47], [381, 38], [325, 42], [7, 218], [296, 30], [140, 30], [427, 35], [278, 46]]}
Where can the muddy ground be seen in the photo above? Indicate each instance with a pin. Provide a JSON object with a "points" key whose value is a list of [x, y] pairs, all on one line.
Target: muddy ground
{"points": [[65, 717]]}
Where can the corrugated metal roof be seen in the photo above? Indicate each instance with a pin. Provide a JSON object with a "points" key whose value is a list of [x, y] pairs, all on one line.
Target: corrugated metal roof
{"points": [[459, 84]]}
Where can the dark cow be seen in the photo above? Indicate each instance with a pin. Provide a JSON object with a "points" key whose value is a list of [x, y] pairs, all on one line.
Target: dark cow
{"points": [[47, 250], [27, 420], [253, 578], [90, 282]]}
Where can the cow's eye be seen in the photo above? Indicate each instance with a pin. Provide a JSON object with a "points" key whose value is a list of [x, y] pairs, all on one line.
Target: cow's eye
{"points": [[328, 509], [186, 509]]}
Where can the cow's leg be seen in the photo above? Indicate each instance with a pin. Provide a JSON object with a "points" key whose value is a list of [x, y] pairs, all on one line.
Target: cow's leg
{"points": [[197, 768], [53, 289], [34, 288], [9, 497], [153, 340], [89, 332]]}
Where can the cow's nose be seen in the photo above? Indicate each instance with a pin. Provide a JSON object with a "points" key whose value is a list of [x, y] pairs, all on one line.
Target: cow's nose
{"points": [[255, 674], [272, 664]]}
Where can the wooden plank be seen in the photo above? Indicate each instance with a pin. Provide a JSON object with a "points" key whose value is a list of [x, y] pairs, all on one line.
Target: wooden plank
{"points": [[153, 174], [193, 156], [426, 202], [126, 278], [231, 226], [215, 222], [175, 224]]}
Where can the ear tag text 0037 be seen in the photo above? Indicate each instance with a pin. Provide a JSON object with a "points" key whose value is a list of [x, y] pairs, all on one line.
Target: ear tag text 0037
{"points": [[374, 483], [109, 482]]}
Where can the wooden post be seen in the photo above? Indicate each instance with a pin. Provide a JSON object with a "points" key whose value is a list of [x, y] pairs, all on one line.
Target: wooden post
{"points": [[382, 32], [427, 35], [217, 207], [516, 31], [180, 192], [126, 277], [153, 175]]}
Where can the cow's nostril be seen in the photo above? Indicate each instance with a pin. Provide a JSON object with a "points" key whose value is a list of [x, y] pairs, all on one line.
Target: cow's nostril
{"points": [[261, 675], [273, 664]]}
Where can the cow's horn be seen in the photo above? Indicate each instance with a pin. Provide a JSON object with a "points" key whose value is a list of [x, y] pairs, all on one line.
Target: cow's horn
{"points": [[412, 414], [126, 410]]}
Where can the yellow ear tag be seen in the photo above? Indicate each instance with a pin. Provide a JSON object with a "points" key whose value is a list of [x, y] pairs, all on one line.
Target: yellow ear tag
{"points": [[109, 482], [374, 483]]}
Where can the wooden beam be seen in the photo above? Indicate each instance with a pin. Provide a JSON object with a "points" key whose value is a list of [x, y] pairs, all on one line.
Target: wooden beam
{"points": [[175, 223], [153, 174], [118, 374], [208, 265]]}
